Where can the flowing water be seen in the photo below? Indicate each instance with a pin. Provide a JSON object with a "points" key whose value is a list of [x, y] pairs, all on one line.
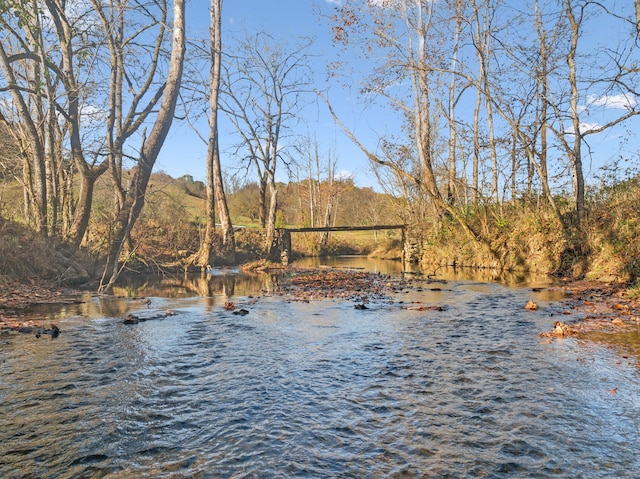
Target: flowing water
{"points": [[319, 389]]}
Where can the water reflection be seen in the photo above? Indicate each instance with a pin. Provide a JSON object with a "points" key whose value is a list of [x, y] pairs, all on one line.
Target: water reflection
{"points": [[446, 273], [224, 284], [626, 343], [216, 283], [231, 282], [374, 265]]}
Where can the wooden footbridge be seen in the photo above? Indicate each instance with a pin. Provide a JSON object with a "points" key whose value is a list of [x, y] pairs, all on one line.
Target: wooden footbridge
{"points": [[282, 244]]}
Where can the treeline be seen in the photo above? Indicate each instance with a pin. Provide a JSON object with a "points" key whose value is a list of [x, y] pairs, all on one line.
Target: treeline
{"points": [[172, 225], [309, 203], [501, 105], [305, 203]]}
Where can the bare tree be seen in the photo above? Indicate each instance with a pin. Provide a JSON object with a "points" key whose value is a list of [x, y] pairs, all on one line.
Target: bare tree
{"points": [[619, 80], [23, 58], [483, 33], [88, 173], [575, 150], [121, 128], [322, 187], [48, 63], [407, 31], [261, 94], [458, 8], [215, 186], [538, 110], [526, 104]]}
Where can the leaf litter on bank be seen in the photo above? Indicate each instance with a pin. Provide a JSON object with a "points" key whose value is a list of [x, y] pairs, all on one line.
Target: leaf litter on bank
{"points": [[600, 308], [16, 297], [304, 284]]}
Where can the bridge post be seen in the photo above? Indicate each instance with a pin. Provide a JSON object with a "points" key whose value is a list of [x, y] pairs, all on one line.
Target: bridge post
{"points": [[282, 246], [285, 249], [403, 244]]}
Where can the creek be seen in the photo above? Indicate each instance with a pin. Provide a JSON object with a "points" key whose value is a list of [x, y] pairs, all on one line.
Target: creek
{"points": [[316, 389]]}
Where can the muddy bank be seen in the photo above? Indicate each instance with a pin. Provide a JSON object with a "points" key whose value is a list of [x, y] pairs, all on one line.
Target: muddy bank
{"points": [[17, 297], [596, 307]]}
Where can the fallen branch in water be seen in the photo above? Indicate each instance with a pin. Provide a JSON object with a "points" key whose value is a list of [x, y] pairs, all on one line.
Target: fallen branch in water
{"points": [[148, 316]]}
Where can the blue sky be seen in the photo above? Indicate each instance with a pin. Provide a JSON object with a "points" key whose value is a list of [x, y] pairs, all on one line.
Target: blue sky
{"points": [[184, 153]]}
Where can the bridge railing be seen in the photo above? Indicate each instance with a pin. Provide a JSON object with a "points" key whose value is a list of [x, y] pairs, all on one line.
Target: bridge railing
{"points": [[282, 246]]}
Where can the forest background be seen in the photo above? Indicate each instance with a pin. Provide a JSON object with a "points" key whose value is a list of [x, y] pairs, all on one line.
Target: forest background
{"points": [[501, 132]]}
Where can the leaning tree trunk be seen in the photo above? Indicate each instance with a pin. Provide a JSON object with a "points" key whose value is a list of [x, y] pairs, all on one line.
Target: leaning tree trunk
{"points": [[134, 200], [88, 177]]}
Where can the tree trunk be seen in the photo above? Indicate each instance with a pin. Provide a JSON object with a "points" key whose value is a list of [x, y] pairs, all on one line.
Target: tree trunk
{"points": [[475, 178], [88, 174], [33, 151], [215, 187], [483, 52], [262, 200], [134, 200], [576, 151], [228, 238], [271, 223], [453, 129], [543, 81], [82, 214]]}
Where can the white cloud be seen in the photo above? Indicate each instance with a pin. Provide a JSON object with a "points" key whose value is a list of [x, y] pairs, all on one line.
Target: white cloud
{"points": [[393, 3], [620, 102], [584, 128], [334, 2], [93, 115], [384, 3]]}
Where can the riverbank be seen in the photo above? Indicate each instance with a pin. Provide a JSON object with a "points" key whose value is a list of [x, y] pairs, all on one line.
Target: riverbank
{"points": [[597, 307], [16, 297]]}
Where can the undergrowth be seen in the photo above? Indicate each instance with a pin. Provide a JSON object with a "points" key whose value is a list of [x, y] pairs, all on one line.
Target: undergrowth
{"points": [[23, 253], [521, 236], [529, 237]]}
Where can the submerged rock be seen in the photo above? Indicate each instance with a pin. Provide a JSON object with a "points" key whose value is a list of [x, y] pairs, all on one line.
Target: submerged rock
{"points": [[147, 316], [560, 330]]}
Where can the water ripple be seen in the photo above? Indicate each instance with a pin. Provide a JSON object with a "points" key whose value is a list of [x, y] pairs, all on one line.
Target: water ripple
{"points": [[318, 390]]}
